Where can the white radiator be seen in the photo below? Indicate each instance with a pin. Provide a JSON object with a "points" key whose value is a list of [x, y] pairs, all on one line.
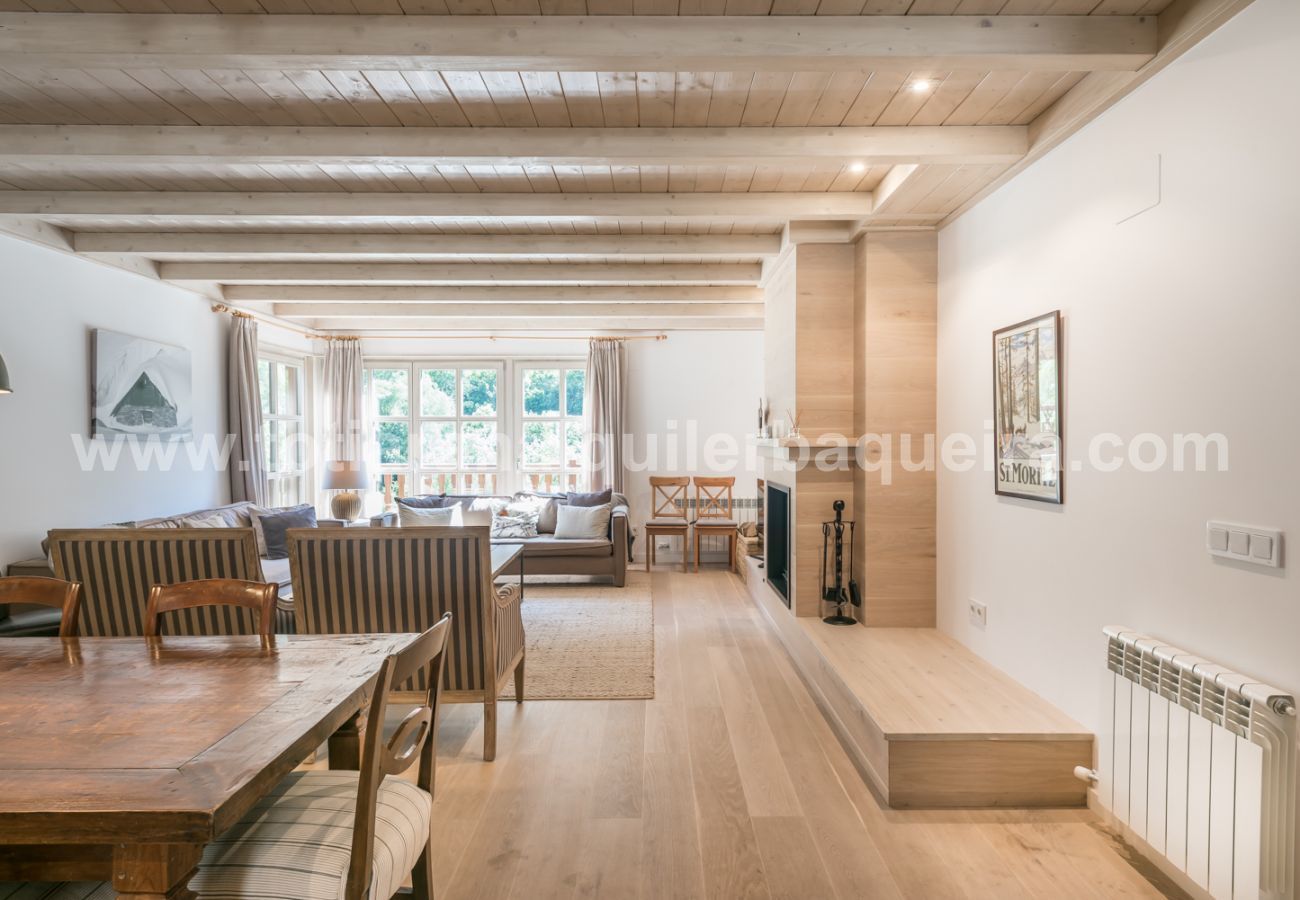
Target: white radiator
{"points": [[1200, 763]]}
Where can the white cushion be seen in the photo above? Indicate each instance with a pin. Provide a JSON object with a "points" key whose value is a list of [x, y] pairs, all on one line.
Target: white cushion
{"points": [[67, 890], [297, 842], [411, 516], [582, 522]]}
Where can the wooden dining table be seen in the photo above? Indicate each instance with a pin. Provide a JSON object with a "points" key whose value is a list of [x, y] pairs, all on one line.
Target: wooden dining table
{"points": [[121, 758]]}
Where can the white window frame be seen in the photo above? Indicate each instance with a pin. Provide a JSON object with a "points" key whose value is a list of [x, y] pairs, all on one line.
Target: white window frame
{"points": [[508, 476], [273, 417], [562, 477]]}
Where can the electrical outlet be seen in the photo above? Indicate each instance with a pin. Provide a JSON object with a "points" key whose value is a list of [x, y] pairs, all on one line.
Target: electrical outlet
{"points": [[664, 545], [979, 614]]}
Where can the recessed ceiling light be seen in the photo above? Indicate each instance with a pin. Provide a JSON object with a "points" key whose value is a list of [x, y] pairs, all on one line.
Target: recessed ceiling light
{"points": [[857, 168], [921, 85]]}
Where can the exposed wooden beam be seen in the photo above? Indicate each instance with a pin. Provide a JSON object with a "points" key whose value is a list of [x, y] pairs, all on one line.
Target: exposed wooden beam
{"points": [[577, 43], [397, 293], [258, 146], [516, 310], [461, 273], [530, 324], [190, 245], [1182, 25], [329, 208]]}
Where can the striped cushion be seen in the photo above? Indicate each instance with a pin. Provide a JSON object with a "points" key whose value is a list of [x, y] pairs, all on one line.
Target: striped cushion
{"points": [[297, 842], [67, 890]]}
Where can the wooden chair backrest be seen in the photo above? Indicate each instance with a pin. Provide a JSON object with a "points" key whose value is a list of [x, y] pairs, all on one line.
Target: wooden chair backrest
{"points": [[713, 497], [252, 595], [401, 581], [63, 595], [118, 567], [416, 738], [668, 497]]}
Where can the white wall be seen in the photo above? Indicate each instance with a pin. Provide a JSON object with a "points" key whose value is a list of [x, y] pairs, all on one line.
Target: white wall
{"points": [[49, 302], [1185, 319], [693, 393]]}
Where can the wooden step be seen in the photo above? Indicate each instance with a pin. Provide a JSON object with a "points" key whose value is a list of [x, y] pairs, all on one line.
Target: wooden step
{"points": [[929, 723]]}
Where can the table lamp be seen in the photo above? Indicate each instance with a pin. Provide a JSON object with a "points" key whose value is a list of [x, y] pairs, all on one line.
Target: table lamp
{"points": [[349, 477]]}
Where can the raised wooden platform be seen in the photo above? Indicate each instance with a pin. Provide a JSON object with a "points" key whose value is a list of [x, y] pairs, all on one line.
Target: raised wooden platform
{"points": [[929, 723]]}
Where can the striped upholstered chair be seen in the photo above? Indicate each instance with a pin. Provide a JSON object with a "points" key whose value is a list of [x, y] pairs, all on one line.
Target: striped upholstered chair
{"points": [[390, 580], [117, 567]]}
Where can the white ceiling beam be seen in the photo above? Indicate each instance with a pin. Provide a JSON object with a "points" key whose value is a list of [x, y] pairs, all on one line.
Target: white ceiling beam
{"points": [[329, 208], [515, 310], [461, 273], [577, 43], [397, 293], [182, 245], [150, 145], [532, 324]]}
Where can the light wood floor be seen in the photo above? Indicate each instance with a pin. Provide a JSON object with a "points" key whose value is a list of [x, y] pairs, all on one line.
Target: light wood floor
{"points": [[728, 784]]}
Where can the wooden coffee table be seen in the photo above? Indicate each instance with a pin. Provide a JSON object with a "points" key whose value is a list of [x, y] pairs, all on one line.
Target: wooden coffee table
{"points": [[120, 758]]}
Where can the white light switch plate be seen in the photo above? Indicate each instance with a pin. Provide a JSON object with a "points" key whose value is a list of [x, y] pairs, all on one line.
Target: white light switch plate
{"points": [[1245, 543]]}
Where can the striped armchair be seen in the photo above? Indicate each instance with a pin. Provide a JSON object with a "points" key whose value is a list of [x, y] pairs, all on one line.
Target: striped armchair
{"points": [[117, 567], [387, 580]]}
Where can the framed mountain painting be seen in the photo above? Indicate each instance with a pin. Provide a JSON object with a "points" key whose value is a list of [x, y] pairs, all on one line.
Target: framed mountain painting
{"points": [[142, 387], [1027, 409]]}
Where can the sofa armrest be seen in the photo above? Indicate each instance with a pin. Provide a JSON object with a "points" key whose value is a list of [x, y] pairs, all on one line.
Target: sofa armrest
{"points": [[618, 527]]}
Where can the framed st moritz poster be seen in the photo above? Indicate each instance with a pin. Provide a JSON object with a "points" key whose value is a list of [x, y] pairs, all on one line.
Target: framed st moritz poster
{"points": [[1027, 409]]}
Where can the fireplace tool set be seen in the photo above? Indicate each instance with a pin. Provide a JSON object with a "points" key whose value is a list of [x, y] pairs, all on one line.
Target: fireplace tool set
{"points": [[835, 587]]}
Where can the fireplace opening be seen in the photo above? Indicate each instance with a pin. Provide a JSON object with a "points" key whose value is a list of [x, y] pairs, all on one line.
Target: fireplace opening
{"points": [[776, 539]]}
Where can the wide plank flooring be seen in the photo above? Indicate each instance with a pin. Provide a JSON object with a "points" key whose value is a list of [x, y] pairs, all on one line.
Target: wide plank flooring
{"points": [[729, 784]]}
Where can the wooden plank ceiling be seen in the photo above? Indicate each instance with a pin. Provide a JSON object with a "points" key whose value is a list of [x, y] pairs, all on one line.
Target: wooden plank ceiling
{"points": [[514, 164]]}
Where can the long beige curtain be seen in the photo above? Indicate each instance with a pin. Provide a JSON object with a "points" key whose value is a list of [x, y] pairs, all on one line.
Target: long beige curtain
{"points": [[344, 416], [606, 411], [244, 407]]}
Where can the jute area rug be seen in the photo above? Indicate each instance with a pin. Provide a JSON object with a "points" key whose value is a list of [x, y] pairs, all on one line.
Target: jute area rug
{"points": [[589, 641]]}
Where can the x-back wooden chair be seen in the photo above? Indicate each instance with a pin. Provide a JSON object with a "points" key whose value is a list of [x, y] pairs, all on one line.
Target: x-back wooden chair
{"points": [[251, 595], [667, 515], [714, 514], [52, 592]]}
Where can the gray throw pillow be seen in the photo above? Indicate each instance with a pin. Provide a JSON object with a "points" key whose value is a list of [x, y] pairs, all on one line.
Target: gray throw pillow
{"points": [[274, 528], [594, 498], [430, 501], [582, 523], [257, 514]]}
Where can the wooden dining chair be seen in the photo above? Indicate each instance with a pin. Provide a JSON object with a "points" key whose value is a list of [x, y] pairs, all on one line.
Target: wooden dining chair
{"points": [[250, 595], [714, 514], [51, 592], [667, 515], [346, 834]]}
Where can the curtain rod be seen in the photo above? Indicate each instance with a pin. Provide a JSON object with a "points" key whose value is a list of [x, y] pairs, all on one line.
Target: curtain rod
{"points": [[322, 336]]}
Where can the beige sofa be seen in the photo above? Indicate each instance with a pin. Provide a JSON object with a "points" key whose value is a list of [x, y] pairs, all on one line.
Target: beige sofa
{"points": [[548, 555]]}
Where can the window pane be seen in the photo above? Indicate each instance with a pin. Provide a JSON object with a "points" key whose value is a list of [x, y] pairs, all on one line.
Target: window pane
{"points": [[541, 392], [264, 384], [438, 444], [575, 385], [390, 392], [542, 444], [394, 439], [573, 432], [268, 446], [289, 447], [286, 386], [478, 392], [438, 392], [478, 443]]}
